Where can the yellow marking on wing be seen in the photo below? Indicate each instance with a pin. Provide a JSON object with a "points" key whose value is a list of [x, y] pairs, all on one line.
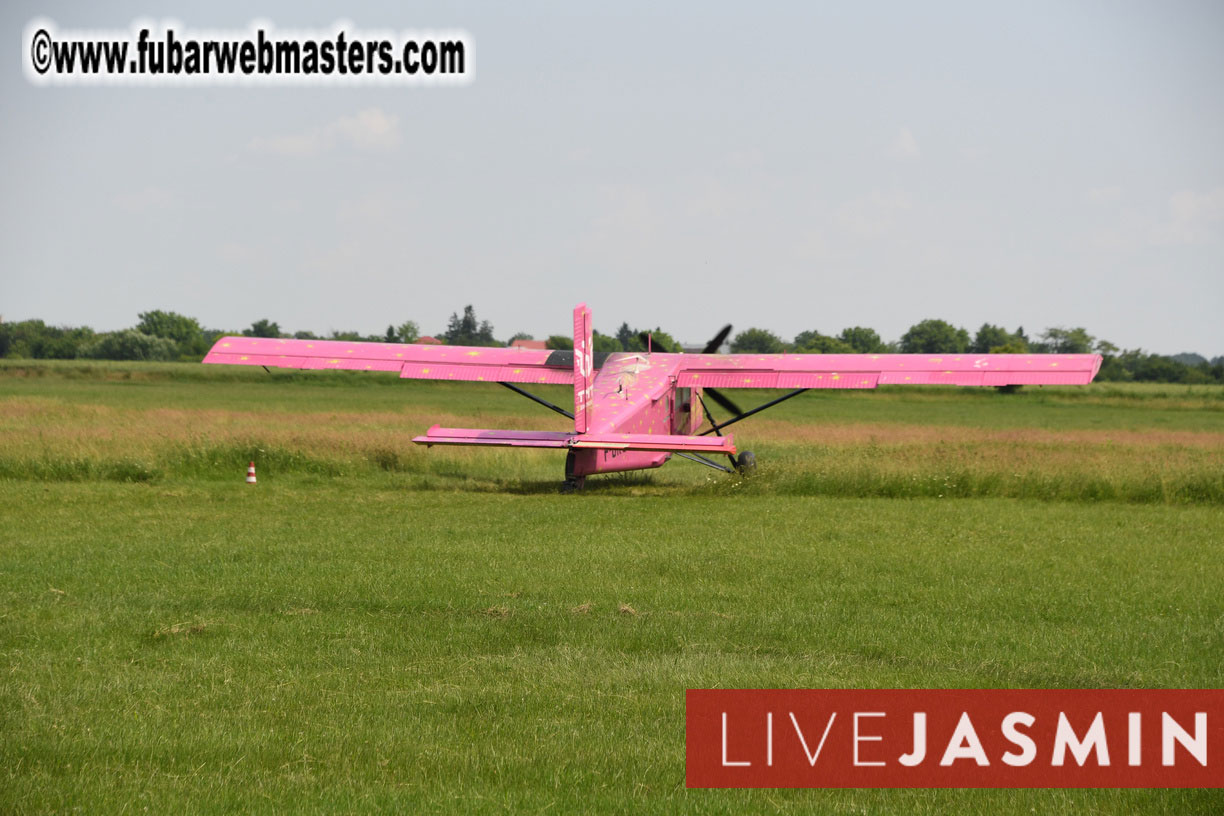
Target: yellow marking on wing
{"points": [[473, 354], [837, 376], [225, 344], [244, 358], [333, 362], [1053, 364], [424, 370], [308, 345]]}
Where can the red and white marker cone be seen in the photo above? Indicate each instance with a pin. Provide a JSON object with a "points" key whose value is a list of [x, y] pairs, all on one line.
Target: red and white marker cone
{"points": [[251, 473]]}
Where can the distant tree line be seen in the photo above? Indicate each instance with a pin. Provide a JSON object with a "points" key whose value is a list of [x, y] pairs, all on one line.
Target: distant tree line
{"points": [[163, 335], [941, 337]]}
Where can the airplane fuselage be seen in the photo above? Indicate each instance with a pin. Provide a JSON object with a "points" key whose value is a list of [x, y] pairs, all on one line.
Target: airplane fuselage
{"points": [[635, 393]]}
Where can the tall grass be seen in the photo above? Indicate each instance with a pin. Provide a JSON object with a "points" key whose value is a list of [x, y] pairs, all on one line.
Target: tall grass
{"points": [[170, 422]]}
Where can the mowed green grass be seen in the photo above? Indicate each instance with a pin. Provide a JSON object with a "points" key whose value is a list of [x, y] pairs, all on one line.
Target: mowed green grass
{"points": [[377, 628]]}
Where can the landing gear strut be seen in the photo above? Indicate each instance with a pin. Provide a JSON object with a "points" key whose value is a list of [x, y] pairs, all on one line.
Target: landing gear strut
{"points": [[572, 483]]}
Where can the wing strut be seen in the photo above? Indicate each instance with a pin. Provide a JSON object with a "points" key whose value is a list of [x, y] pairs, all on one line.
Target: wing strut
{"points": [[701, 460], [540, 400], [716, 427]]}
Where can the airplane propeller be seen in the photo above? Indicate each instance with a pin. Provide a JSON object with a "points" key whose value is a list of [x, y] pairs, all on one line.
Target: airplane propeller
{"points": [[712, 347], [723, 400]]}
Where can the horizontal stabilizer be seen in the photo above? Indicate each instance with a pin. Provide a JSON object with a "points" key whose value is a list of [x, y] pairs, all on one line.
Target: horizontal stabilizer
{"points": [[655, 442], [438, 435]]}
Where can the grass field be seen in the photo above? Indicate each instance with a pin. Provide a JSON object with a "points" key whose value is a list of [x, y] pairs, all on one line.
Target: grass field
{"points": [[378, 627]]}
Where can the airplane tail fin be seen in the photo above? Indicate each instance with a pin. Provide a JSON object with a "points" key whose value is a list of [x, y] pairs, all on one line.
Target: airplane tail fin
{"points": [[584, 367]]}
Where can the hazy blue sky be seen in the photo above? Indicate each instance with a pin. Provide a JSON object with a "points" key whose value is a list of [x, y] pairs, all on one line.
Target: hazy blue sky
{"points": [[793, 166]]}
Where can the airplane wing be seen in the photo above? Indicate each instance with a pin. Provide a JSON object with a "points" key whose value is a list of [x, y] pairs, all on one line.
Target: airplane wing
{"points": [[415, 362], [870, 370]]}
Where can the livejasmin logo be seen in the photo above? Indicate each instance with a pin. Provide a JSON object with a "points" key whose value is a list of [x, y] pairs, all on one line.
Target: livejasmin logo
{"points": [[955, 738]]}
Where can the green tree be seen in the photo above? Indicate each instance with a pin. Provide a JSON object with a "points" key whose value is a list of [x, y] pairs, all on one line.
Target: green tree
{"points": [[662, 341], [805, 338], [1068, 341], [862, 339], [467, 331], [1012, 346], [817, 343], [183, 330], [519, 336], [559, 342], [636, 341], [34, 338], [626, 337], [990, 336], [756, 341], [603, 342], [934, 337], [408, 332], [130, 344], [263, 328]]}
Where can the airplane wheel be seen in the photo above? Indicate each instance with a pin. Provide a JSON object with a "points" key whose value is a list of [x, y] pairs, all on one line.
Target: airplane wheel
{"points": [[746, 462]]}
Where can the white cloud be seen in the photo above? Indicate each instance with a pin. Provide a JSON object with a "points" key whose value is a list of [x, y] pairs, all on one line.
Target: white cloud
{"points": [[904, 146], [1101, 195], [371, 129], [1193, 218], [872, 214], [1187, 217], [145, 200]]}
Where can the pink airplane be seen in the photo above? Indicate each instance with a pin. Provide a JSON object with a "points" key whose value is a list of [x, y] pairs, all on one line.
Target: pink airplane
{"points": [[635, 410]]}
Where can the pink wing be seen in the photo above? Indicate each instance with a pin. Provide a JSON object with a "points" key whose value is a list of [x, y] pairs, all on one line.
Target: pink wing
{"points": [[870, 370], [416, 362]]}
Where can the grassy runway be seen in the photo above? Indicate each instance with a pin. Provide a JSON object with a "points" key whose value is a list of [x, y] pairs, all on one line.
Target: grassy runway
{"points": [[376, 627]]}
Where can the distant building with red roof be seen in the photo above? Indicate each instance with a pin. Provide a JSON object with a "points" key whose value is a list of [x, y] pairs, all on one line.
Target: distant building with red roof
{"points": [[429, 341], [530, 344]]}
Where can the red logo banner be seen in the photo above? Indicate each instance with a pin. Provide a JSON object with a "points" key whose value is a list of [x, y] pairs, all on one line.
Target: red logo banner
{"points": [[954, 738]]}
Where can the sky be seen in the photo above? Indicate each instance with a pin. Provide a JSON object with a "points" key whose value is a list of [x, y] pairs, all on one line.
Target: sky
{"points": [[791, 166]]}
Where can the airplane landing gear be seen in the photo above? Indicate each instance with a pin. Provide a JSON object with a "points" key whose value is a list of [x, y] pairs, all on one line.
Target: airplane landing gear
{"points": [[572, 483]]}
